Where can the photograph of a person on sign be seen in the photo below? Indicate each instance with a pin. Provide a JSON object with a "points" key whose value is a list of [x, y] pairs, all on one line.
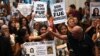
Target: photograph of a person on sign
{"points": [[95, 12], [49, 50], [31, 50]]}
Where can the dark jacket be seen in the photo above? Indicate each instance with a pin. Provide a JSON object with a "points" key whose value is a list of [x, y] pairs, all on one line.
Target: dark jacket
{"points": [[5, 47]]}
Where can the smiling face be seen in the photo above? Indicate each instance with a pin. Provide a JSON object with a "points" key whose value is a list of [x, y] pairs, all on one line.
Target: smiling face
{"points": [[71, 22], [63, 29], [36, 25], [43, 29]]}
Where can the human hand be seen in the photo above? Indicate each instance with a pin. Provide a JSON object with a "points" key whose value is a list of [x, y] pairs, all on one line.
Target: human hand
{"points": [[49, 29]]}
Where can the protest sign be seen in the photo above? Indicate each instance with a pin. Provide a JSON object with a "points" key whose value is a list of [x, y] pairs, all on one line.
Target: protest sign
{"points": [[25, 9], [58, 12], [45, 48], [40, 10], [94, 9]]}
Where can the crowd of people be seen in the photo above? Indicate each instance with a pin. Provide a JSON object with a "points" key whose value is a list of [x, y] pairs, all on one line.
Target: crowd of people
{"points": [[80, 33]]}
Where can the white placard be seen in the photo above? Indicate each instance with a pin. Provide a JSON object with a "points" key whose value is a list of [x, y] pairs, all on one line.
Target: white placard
{"points": [[58, 12], [46, 48], [40, 10], [25, 9]]}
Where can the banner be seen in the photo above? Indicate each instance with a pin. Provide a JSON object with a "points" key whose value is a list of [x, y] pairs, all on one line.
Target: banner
{"points": [[58, 12], [40, 10], [94, 9], [45, 48], [25, 9]]}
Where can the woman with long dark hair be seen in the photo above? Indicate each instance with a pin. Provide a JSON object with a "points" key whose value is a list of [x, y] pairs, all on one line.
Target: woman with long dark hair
{"points": [[95, 12]]}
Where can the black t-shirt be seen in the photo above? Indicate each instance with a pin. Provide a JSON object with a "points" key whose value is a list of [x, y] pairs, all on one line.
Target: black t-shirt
{"points": [[80, 48], [20, 38], [91, 32]]}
